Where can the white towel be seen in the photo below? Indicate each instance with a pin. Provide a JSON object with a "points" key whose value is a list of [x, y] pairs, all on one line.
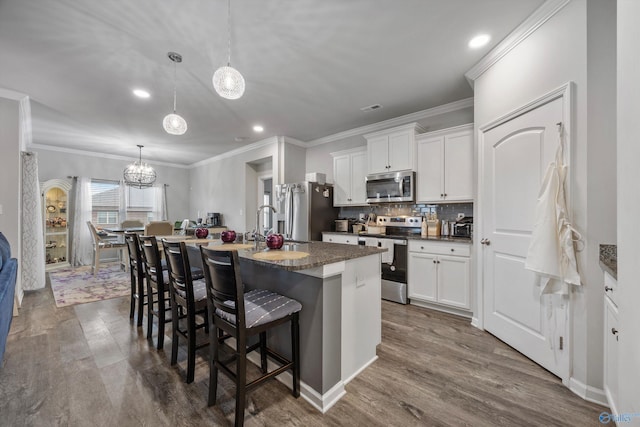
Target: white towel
{"points": [[387, 257], [551, 252]]}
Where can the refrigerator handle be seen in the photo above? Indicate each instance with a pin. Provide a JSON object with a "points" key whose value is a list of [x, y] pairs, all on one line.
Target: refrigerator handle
{"points": [[288, 206]]}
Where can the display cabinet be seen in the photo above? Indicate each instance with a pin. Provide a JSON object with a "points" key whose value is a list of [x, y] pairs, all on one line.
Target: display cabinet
{"points": [[55, 202]]}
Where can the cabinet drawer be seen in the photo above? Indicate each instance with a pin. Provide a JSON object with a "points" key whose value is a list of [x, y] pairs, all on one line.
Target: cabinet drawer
{"points": [[337, 238], [440, 248]]}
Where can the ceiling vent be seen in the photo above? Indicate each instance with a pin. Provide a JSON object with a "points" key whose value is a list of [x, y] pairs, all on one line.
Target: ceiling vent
{"points": [[371, 107]]}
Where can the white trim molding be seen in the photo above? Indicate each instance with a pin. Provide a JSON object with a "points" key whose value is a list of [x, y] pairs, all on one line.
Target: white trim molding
{"points": [[397, 121], [591, 394], [541, 15], [259, 144]]}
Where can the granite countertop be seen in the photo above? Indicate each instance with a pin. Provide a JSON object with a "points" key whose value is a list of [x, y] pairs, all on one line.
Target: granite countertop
{"points": [[609, 259], [320, 253], [416, 237]]}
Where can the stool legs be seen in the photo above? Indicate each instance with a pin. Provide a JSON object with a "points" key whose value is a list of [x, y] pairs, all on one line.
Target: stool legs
{"points": [[241, 378], [295, 354], [263, 352], [213, 367]]}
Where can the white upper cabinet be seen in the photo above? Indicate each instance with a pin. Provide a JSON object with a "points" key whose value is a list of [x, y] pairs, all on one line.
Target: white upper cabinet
{"points": [[349, 171], [392, 149], [445, 165]]}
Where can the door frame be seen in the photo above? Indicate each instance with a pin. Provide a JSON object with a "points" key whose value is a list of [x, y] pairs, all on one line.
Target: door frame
{"points": [[566, 93]]}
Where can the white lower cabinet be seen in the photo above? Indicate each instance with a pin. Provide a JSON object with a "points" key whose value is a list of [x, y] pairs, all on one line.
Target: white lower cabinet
{"points": [[346, 239], [610, 348], [440, 272]]}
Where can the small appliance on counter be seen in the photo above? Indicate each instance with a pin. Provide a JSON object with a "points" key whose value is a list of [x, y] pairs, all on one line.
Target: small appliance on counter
{"points": [[342, 225], [214, 219], [463, 227]]}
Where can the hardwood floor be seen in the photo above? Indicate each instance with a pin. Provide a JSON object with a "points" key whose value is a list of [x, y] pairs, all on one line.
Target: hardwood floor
{"points": [[88, 365]]}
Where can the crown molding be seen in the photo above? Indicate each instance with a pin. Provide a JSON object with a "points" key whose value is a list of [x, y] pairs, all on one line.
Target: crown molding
{"points": [[294, 141], [541, 15], [235, 152], [12, 94], [102, 155], [397, 121]]}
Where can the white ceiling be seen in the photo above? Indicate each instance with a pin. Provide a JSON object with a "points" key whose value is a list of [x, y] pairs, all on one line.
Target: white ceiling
{"points": [[309, 66]]}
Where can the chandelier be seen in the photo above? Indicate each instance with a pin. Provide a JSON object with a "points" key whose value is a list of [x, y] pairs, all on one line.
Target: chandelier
{"points": [[228, 81], [173, 123], [139, 174]]}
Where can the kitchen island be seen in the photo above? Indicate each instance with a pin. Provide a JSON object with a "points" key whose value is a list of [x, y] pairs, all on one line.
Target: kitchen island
{"points": [[340, 322]]}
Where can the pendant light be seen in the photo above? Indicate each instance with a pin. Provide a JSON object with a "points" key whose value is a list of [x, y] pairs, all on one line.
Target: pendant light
{"points": [[173, 123], [139, 174], [228, 81]]}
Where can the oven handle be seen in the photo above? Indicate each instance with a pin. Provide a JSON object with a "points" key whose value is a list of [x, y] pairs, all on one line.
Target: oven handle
{"points": [[395, 241]]}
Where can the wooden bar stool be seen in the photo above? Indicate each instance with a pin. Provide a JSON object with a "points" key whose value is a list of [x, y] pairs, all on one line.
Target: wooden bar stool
{"points": [[241, 315], [159, 301], [136, 270], [190, 297]]}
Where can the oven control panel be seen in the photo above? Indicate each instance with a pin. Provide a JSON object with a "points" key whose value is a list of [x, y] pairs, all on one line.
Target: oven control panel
{"points": [[399, 221]]}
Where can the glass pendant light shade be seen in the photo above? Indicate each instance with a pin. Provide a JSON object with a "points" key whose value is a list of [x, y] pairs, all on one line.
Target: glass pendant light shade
{"points": [[228, 82], [139, 174], [174, 124]]}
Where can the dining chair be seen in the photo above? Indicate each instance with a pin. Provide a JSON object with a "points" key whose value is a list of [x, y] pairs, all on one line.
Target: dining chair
{"points": [[131, 223], [190, 296], [242, 315], [158, 228], [137, 272], [101, 244], [159, 301]]}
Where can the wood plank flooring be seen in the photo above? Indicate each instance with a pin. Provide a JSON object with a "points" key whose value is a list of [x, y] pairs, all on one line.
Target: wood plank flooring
{"points": [[88, 365]]}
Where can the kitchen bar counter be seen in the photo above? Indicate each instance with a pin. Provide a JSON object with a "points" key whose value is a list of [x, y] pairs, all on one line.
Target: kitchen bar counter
{"points": [[609, 259], [411, 237], [339, 287]]}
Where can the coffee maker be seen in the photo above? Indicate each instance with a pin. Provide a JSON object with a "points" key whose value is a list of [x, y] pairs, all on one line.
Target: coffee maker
{"points": [[214, 219]]}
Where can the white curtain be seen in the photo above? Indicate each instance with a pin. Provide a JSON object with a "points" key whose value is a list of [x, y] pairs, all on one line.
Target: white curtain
{"points": [[32, 257], [159, 203], [124, 201], [82, 246]]}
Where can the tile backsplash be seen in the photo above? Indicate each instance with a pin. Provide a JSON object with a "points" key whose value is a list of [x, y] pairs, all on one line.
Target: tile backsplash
{"points": [[445, 211]]}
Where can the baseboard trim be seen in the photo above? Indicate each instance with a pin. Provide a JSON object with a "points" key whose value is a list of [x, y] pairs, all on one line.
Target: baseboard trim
{"points": [[589, 393], [438, 307], [362, 368]]}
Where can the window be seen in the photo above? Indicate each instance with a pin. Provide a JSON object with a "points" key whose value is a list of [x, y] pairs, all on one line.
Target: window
{"points": [[105, 200]]}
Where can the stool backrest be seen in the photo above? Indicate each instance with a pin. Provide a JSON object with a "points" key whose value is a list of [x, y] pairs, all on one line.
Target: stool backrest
{"points": [[151, 258], [224, 283], [135, 257], [180, 280]]}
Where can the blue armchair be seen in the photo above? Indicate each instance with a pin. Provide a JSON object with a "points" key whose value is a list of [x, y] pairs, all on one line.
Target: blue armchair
{"points": [[8, 272]]}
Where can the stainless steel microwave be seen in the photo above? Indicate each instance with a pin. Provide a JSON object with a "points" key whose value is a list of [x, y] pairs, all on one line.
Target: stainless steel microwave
{"points": [[391, 187]]}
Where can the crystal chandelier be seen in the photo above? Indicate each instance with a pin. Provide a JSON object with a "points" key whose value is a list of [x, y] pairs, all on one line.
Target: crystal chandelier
{"points": [[228, 81], [139, 174], [173, 123]]}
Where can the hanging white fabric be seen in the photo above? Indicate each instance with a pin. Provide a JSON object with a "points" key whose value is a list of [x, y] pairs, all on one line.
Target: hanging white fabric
{"points": [[32, 258], [551, 251], [82, 245]]}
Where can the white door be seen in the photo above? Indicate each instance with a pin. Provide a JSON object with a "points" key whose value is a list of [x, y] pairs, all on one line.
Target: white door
{"points": [[516, 154]]}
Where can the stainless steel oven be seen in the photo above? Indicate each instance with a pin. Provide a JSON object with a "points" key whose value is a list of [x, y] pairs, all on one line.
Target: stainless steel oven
{"points": [[390, 187]]}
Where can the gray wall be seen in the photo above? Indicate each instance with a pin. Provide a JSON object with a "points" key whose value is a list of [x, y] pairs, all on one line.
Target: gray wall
{"points": [[59, 164], [553, 55]]}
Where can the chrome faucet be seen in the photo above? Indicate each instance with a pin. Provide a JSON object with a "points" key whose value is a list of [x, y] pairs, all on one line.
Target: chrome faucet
{"points": [[258, 235]]}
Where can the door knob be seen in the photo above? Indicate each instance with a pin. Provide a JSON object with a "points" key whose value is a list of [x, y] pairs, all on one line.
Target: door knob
{"points": [[614, 331], [607, 288], [485, 242]]}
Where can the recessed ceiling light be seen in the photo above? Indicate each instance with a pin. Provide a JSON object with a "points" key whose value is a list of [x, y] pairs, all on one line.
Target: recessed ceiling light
{"points": [[141, 93], [258, 128], [479, 41]]}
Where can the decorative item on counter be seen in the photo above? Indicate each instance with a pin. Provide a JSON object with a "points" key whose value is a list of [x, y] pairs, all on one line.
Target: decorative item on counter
{"points": [[228, 236], [275, 241], [423, 228], [202, 233]]}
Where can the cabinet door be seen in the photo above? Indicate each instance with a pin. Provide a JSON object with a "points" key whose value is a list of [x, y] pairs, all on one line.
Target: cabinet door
{"points": [[458, 166], [378, 153], [453, 281], [401, 151], [422, 277], [430, 170], [357, 178], [342, 180], [611, 353]]}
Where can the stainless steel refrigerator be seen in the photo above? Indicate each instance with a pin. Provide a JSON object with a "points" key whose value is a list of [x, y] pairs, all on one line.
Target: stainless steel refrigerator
{"points": [[305, 210]]}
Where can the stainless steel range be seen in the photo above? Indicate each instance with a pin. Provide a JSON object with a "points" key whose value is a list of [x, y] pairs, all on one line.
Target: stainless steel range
{"points": [[394, 261]]}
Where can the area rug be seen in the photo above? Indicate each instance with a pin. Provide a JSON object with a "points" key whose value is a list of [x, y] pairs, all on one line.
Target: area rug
{"points": [[77, 285]]}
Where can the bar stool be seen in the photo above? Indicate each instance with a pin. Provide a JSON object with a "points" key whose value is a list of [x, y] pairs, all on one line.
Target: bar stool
{"points": [[241, 316], [136, 270], [159, 301], [189, 296]]}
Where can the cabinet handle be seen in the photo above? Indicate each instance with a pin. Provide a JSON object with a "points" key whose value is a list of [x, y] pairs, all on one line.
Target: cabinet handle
{"points": [[438, 261], [445, 194], [453, 250], [441, 195], [614, 331], [421, 247], [607, 288], [434, 261]]}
